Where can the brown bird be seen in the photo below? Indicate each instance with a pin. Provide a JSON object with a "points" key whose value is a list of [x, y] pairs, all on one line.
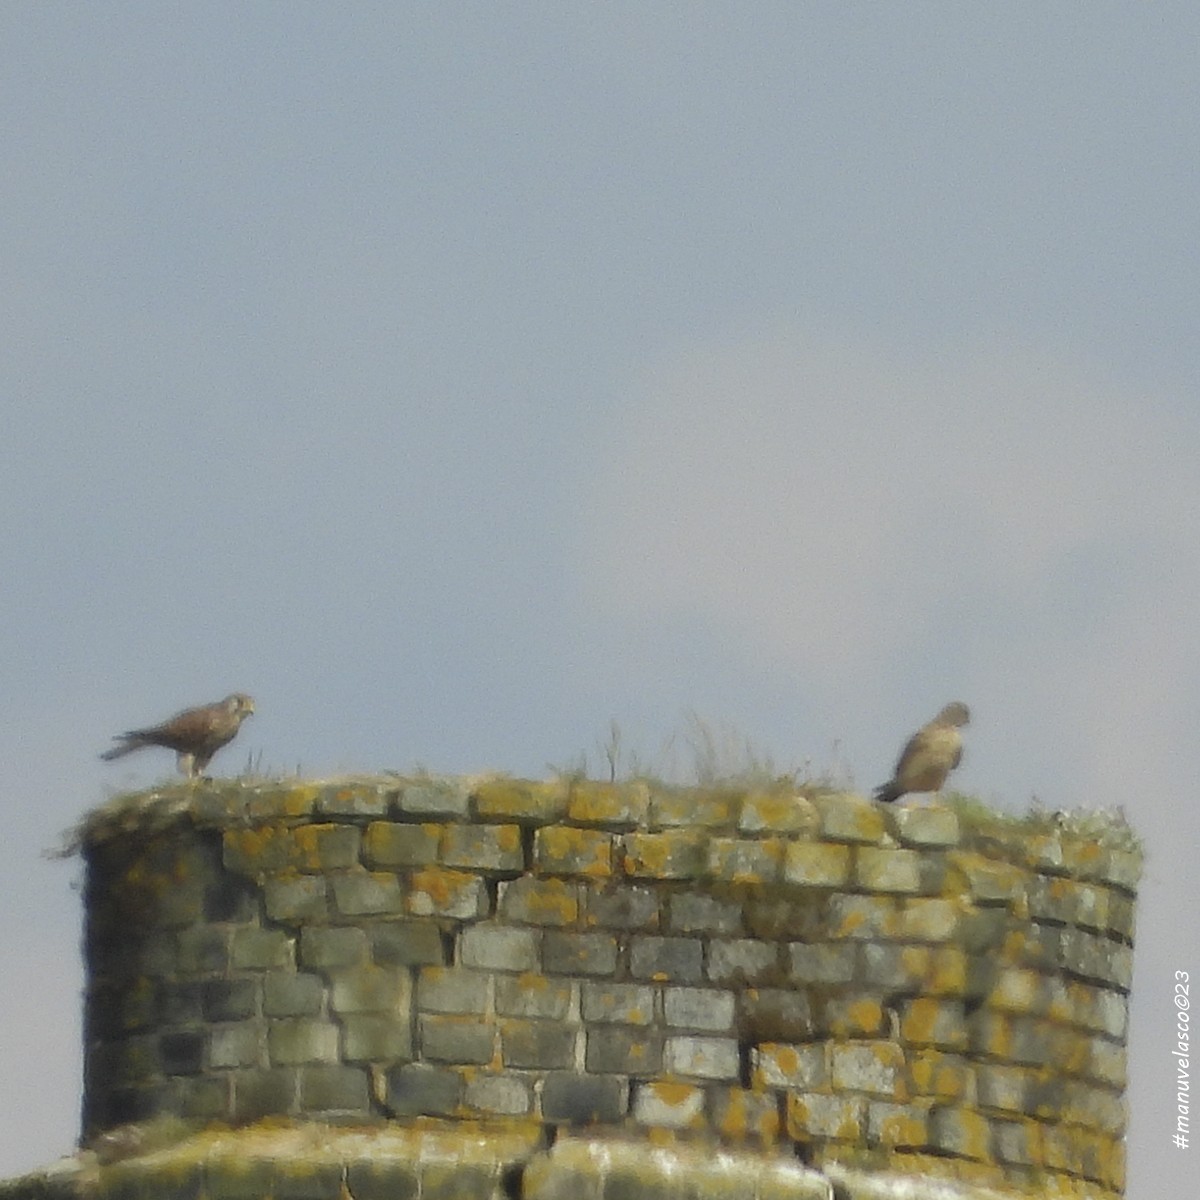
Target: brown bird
{"points": [[195, 734], [931, 754]]}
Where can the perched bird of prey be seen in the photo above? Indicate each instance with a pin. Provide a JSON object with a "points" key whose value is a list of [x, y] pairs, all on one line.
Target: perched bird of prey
{"points": [[195, 734], [931, 754]]}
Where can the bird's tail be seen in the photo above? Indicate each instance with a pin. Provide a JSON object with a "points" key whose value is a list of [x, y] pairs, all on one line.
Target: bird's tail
{"points": [[128, 745], [887, 792]]}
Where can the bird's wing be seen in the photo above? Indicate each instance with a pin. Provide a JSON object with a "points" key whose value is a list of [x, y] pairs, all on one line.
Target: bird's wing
{"points": [[188, 728], [931, 754]]}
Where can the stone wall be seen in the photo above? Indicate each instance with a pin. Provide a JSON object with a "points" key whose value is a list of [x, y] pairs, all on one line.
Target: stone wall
{"points": [[815, 975]]}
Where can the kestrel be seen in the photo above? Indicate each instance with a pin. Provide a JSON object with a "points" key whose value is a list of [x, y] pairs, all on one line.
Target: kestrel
{"points": [[195, 734], [931, 754]]}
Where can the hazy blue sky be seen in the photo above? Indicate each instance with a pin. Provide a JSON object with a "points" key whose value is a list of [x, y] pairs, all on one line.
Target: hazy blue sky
{"points": [[455, 378]]}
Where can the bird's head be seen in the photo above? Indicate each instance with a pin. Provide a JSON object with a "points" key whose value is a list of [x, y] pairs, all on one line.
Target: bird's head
{"points": [[955, 713], [239, 704]]}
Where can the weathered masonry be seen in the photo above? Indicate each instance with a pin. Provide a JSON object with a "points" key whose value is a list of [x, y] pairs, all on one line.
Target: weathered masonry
{"points": [[812, 984]]}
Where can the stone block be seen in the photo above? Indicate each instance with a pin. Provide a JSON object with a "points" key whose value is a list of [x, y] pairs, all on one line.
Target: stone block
{"points": [[229, 999], [929, 1021], [295, 1041], [893, 1124], [263, 1093], [880, 869], [367, 893], [537, 1044], [1010, 1089], [492, 848], [702, 1057], [417, 1090], [227, 1177], [369, 989], [376, 1037], [319, 1179], [437, 892], [327, 948], [743, 960], [1096, 1107], [406, 943], [498, 947], [456, 1039], [383, 1179], [1096, 957], [1108, 1062], [745, 860], [931, 970], [240, 1045], [256, 949], [743, 1115], [533, 901], [695, 912], [287, 994], [876, 1067], [802, 1068], [778, 812], [225, 899], [1018, 990], [622, 1050], [627, 907], [627, 1003], [501, 1095], [201, 1098], [459, 1180], [669, 1105], [929, 919], [673, 807], [821, 962], [532, 995], [1018, 1142], [1121, 916], [579, 953], [816, 864], [708, 1010], [926, 826], [334, 1089], [774, 1015], [296, 899], [203, 949], [452, 990], [582, 1099], [677, 959], [1014, 1039], [175, 1004], [849, 1014], [849, 818], [354, 798], [565, 850], [812, 1115], [1121, 868], [959, 1131], [944, 1076], [609, 805], [520, 800], [397, 844], [280, 801], [267, 849], [989, 880], [181, 1053], [447, 798], [675, 854]]}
